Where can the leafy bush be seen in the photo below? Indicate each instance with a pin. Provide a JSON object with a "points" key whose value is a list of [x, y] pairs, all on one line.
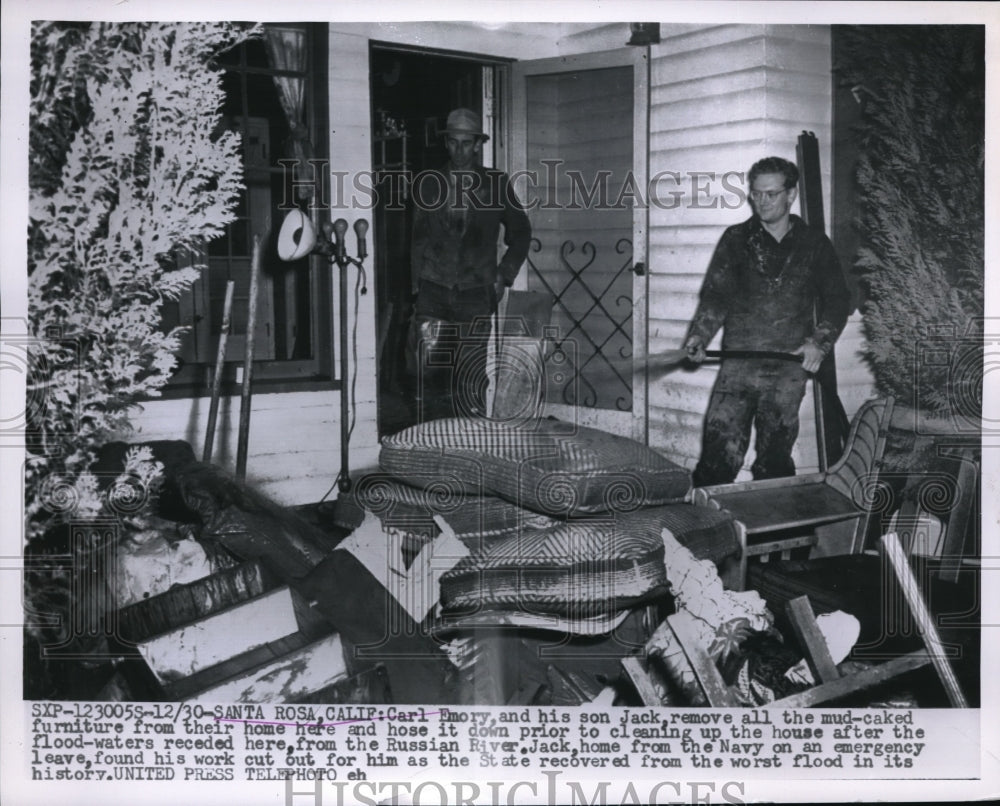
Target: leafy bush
{"points": [[130, 174], [920, 183]]}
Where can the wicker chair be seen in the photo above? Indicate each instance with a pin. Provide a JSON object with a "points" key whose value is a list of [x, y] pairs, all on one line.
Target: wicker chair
{"points": [[777, 516]]}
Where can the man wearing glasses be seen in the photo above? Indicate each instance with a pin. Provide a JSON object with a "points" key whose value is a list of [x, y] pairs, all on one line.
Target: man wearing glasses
{"points": [[775, 285]]}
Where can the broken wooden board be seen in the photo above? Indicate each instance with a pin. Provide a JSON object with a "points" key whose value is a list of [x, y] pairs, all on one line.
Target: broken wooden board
{"points": [[859, 681], [370, 687], [290, 677], [644, 684], [811, 639], [184, 604], [223, 635]]}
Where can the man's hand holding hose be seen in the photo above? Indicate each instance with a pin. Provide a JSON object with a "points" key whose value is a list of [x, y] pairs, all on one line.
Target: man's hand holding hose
{"points": [[695, 349], [812, 356]]}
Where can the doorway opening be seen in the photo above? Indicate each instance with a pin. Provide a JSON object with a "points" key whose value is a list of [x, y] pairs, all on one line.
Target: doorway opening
{"points": [[412, 91]]}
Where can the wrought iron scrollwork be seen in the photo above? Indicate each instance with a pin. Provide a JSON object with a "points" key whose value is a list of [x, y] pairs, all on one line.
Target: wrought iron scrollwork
{"points": [[595, 355]]}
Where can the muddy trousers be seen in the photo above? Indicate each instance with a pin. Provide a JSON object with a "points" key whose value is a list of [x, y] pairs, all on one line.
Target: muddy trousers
{"points": [[451, 345], [765, 394]]}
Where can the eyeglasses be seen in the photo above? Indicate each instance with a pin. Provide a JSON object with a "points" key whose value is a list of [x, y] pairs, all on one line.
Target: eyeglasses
{"points": [[770, 195]]}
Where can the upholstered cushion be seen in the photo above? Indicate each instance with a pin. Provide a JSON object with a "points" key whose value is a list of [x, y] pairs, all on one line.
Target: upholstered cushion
{"points": [[578, 567], [547, 466], [475, 520], [582, 568], [709, 534], [412, 509]]}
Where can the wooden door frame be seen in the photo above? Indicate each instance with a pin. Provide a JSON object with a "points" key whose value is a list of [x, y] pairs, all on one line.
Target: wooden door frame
{"points": [[516, 157], [500, 140]]}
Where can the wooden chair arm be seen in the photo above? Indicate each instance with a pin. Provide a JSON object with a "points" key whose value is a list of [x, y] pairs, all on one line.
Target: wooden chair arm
{"points": [[702, 495]]}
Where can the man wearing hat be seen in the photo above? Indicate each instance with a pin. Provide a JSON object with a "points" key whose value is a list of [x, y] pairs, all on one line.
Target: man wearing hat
{"points": [[458, 216]]}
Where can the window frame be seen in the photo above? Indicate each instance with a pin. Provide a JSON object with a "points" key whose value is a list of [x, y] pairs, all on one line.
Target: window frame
{"points": [[318, 372]]}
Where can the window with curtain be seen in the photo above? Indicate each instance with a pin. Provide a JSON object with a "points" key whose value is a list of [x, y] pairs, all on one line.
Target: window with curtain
{"points": [[276, 97]]}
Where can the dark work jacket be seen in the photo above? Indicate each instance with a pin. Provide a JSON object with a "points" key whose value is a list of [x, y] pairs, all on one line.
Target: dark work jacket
{"points": [[762, 292], [454, 240]]}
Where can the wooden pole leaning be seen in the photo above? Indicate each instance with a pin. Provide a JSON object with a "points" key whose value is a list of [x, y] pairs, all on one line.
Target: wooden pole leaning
{"points": [[245, 396], [220, 359]]}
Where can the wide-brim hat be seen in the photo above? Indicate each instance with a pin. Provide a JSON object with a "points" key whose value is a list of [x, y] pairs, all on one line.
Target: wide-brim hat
{"points": [[465, 121]]}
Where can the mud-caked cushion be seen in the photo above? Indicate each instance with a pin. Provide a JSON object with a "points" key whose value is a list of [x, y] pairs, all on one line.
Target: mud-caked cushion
{"points": [[548, 466], [584, 567], [413, 509], [580, 567]]}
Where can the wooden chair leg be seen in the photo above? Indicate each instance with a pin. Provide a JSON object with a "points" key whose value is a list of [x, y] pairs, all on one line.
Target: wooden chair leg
{"points": [[741, 537]]}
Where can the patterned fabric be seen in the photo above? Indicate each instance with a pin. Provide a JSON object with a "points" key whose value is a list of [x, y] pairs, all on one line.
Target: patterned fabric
{"points": [[399, 506], [547, 466], [581, 568], [578, 569], [717, 619]]}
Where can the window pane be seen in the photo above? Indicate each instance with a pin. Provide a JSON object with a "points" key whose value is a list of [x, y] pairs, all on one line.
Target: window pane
{"points": [[286, 306]]}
